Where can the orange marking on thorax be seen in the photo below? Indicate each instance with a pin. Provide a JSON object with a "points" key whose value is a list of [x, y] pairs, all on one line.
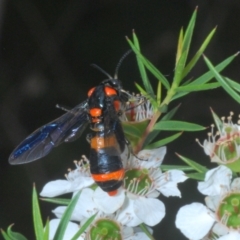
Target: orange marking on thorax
{"points": [[91, 91], [117, 175], [110, 91], [95, 112]]}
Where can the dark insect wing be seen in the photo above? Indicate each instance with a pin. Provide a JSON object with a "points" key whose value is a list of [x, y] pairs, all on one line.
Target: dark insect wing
{"points": [[68, 127]]}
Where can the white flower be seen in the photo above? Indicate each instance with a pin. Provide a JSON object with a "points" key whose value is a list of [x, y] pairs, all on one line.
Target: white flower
{"points": [[143, 183], [76, 180], [220, 215], [91, 202], [107, 227], [71, 230]]}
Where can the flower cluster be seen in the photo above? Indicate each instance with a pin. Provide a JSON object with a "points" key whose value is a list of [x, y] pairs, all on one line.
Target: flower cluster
{"points": [[135, 203], [220, 218]]}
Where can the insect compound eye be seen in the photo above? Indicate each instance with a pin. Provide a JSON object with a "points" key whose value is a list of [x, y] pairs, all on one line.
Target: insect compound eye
{"points": [[110, 91], [91, 91]]}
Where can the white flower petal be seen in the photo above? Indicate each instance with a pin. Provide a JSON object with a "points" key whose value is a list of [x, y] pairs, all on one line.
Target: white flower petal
{"points": [[194, 220], [169, 189], [153, 157], [217, 181], [220, 229], [150, 210], [71, 230], [235, 186], [230, 236], [208, 147], [177, 176], [213, 202], [76, 216], [108, 204], [126, 215], [55, 188], [85, 205], [59, 187], [58, 211]]}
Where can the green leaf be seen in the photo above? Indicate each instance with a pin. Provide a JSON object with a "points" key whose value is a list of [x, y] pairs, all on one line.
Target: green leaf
{"points": [[196, 166], [206, 77], [198, 54], [14, 235], [222, 81], [46, 231], [66, 218], [178, 167], [146, 231], [178, 76], [196, 176], [179, 68], [177, 126], [153, 134], [131, 129], [61, 201], [150, 98], [180, 45], [164, 141], [217, 121], [37, 219], [5, 236], [233, 84], [141, 67], [150, 66], [84, 227], [194, 88]]}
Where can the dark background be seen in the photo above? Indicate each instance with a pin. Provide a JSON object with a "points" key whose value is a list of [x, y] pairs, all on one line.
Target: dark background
{"points": [[46, 51]]}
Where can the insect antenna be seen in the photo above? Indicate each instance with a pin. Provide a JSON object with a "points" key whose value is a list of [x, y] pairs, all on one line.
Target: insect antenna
{"points": [[101, 70], [120, 63]]}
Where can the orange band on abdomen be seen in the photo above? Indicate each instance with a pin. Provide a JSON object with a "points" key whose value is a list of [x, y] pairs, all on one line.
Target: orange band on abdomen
{"points": [[117, 175], [103, 142]]}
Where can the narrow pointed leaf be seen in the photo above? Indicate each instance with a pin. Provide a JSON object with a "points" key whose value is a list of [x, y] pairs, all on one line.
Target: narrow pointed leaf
{"points": [[14, 235], [179, 68], [5, 236], [185, 48], [150, 66], [199, 53], [233, 84], [46, 231], [66, 218], [217, 121], [178, 167], [196, 166], [164, 141], [195, 88], [84, 227], [180, 44], [197, 176], [206, 77], [37, 219], [141, 67], [61, 201], [222, 81], [177, 126]]}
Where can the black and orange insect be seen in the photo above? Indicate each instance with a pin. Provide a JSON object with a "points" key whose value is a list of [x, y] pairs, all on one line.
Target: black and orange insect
{"points": [[101, 111]]}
